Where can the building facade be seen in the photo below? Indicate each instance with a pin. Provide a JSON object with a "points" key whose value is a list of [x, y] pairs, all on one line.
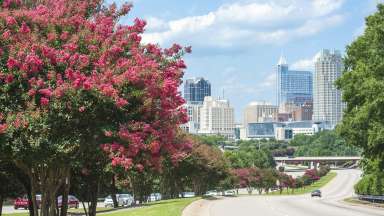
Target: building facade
{"points": [[304, 113], [293, 86], [217, 117], [196, 89], [257, 112], [193, 124], [327, 103]]}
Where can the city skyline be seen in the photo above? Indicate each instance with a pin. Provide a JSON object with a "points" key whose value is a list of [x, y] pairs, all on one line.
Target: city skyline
{"points": [[236, 48]]}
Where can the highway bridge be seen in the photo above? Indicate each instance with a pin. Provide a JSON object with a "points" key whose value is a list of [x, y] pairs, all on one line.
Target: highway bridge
{"points": [[315, 161]]}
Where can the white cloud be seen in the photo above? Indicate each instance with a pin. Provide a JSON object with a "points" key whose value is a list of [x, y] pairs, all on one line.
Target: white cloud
{"points": [[258, 21], [269, 81], [305, 64]]}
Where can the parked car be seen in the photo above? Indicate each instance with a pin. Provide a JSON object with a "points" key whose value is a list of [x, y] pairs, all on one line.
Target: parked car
{"points": [[154, 197], [73, 202], [229, 193], [122, 200], [212, 193], [187, 194], [316, 193], [23, 202]]}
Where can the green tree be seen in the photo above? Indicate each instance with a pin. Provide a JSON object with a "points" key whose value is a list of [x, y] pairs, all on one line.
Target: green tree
{"points": [[362, 84], [324, 143]]}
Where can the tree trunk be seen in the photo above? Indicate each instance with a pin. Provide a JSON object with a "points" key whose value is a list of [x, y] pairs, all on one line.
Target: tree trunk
{"points": [[1, 204], [93, 196], [64, 200], [30, 204], [33, 194], [113, 194]]}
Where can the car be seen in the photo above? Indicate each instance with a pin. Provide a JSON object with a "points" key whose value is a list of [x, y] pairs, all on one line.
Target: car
{"points": [[154, 197], [127, 199], [73, 202], [229, 193], [316, 193], [212, 193], [23, 202], [122, 200], [187, 194]]}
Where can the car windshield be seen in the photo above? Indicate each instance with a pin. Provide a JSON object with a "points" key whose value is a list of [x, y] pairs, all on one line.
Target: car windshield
{"points": [[108, 197], [124, 195]]}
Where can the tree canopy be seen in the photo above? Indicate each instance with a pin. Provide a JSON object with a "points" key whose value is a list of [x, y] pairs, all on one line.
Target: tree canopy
{"points": [[72, 80], [362, 85], [324, 143]]}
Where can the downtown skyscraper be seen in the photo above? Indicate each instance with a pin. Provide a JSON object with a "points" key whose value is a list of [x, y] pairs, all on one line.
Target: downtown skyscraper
{"points": [[327, 103], [196, 89], [293, 86]]}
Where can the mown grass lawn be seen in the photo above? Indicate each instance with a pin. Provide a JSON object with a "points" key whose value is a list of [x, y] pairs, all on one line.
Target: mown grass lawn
{"points": [[172, 207], [162, 208], [307, 189], [16, 214]]}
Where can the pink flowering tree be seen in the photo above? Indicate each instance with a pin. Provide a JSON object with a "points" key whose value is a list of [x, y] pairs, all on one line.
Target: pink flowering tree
{"points": [[73, 79]]}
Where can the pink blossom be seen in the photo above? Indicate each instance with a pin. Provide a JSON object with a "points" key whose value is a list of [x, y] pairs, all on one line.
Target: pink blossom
{"points": [[32, 92], [155, 147], [82, 109], [46, 92], [3, 128], [115, 146], [188, 49], [44, 101], [64, 36], [51, 36], [11, 21], [108, 133], [24, 28], [12, 63], [140, 167], [121, 102], [9, 78], [87, 85], [6, 34]]}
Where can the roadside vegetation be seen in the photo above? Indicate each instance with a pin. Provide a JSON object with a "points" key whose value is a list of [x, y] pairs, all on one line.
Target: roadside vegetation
{"points": [[362, 85], [309, 188], [324, 143]]}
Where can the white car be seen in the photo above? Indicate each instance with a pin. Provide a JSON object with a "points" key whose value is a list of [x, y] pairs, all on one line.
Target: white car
{"points": [[154, 197], [229, 193], [187, 194], [122, 200], [212, 193]]}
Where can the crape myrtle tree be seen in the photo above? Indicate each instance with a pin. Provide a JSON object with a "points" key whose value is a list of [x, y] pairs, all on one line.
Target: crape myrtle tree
{"points": [[201, 170], [73, 79]]}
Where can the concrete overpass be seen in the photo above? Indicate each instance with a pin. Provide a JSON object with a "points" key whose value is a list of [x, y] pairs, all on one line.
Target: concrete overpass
{"points": [[314, 161]]}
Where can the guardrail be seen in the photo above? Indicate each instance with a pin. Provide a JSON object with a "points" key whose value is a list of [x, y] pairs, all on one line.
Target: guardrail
{"points": [[371, 198]]}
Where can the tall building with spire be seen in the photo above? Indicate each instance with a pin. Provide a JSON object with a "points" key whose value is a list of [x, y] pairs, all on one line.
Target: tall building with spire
{"points": [[293, 86], [327, 103]]}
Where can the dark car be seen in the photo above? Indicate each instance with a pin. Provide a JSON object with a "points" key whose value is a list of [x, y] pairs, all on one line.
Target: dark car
{"points": [[316, 193]]}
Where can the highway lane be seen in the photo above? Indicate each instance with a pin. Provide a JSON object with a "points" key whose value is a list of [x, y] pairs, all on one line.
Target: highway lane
{"points": [[303, 205]]}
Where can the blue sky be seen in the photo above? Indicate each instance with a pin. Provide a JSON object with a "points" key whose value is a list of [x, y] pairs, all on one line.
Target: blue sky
{"points": [[236, 43]]}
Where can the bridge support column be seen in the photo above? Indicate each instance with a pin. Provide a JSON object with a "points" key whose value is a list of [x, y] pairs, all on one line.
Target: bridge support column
{"points": [[310, 165]]}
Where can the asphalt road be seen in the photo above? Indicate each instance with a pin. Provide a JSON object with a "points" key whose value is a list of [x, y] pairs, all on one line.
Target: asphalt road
{"points": [[329, 205]]}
